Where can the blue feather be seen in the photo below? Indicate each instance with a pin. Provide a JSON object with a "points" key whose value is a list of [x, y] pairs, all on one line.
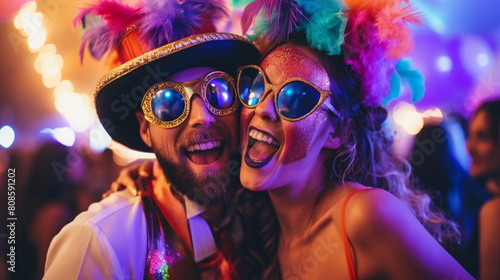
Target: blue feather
{"points": [[406, 72]]}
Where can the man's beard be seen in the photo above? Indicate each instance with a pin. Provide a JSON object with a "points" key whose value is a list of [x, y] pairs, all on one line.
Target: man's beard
{"points": [[207, 188], [212, 187]]}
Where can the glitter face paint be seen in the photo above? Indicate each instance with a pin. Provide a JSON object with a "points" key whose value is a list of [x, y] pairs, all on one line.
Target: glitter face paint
{"points": [[297, 159], [298, 136], [290, 62], [245, 118]]}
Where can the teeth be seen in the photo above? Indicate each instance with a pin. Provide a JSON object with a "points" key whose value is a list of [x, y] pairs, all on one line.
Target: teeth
{"points": [[259, 136], [204, 146]]}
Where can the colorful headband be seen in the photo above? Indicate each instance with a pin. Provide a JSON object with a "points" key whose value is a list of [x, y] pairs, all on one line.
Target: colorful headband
{"points": [[372, 35]]}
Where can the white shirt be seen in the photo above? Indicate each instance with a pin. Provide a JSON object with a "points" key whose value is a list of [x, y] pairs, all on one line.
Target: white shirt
{"points": [[108, 241]]}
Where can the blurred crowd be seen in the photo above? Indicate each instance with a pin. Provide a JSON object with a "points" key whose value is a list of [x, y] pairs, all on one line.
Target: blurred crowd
{"points": [[53, 183]]}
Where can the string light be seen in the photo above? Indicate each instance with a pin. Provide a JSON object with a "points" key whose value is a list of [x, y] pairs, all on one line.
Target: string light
{"points": [[76, 108]]}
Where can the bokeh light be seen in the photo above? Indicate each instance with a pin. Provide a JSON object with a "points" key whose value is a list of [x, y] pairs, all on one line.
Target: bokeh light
{"points": [[407, 118], [476, 55], [63, 135], [99, 138], [76, 108], [7, 136], [444, 63]]}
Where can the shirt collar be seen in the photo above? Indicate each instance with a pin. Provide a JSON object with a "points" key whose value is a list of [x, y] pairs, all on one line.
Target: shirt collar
{"points": [[193, 208]]}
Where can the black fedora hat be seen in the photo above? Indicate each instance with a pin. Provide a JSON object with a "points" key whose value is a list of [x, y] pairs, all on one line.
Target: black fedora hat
{"points": [[119, 93]]}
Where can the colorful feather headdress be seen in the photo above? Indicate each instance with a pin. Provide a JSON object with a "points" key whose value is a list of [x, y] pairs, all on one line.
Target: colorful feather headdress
{"points": [[109, 24], [372, 35]]}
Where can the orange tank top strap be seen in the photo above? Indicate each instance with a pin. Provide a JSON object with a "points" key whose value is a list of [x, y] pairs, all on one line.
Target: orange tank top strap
{"points": [[345, 239]]}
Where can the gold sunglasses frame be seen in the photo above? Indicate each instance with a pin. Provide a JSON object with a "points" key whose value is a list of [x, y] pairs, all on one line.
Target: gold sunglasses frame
{"points": [[198, 86], [269, 87]]}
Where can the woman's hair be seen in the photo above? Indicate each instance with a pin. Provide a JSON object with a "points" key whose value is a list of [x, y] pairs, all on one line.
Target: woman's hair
{"points": [[258, 256], [492, 109], [366, 158]]}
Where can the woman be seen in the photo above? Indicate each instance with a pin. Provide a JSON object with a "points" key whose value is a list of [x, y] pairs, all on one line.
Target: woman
{"points": [[300, 170], [312, 138], [483, 145]]}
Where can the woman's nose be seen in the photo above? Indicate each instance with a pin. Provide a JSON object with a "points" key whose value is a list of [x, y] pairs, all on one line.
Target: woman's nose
{"points": [[266, 109]]}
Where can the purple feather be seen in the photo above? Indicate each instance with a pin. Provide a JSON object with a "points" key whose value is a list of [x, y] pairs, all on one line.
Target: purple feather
{"points": [[250, 13], [98, 40], [217, 9], [283, 16], [168, 21]]}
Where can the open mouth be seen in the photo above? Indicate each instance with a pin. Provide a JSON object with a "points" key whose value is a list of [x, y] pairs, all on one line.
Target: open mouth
{"points": [[261, 148], [204, 153]]}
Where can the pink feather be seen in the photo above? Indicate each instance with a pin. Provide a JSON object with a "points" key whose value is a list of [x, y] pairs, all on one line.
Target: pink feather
{"points": [[372, 5], [250, 13], [115, 18], [367, 56], [392, 24], [118, 16], [377, 34]]}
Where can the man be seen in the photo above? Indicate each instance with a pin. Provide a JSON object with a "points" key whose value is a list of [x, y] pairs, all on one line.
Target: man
{"points": [[182, 80]]}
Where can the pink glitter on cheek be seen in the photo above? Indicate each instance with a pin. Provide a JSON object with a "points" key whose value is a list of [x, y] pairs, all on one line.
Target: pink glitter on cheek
{"points": [[282, 64], [245, 118], [298, 136]]}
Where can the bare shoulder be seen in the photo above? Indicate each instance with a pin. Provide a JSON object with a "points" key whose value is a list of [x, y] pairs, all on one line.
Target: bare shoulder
{"points": [[491, 209], [385, 234], [375, 217], [375, 209], [489, 218]]}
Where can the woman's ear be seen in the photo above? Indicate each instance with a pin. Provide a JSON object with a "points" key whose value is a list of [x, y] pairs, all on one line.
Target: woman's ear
{"points": [[333, 142], [338, 136], [144, 128]]}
